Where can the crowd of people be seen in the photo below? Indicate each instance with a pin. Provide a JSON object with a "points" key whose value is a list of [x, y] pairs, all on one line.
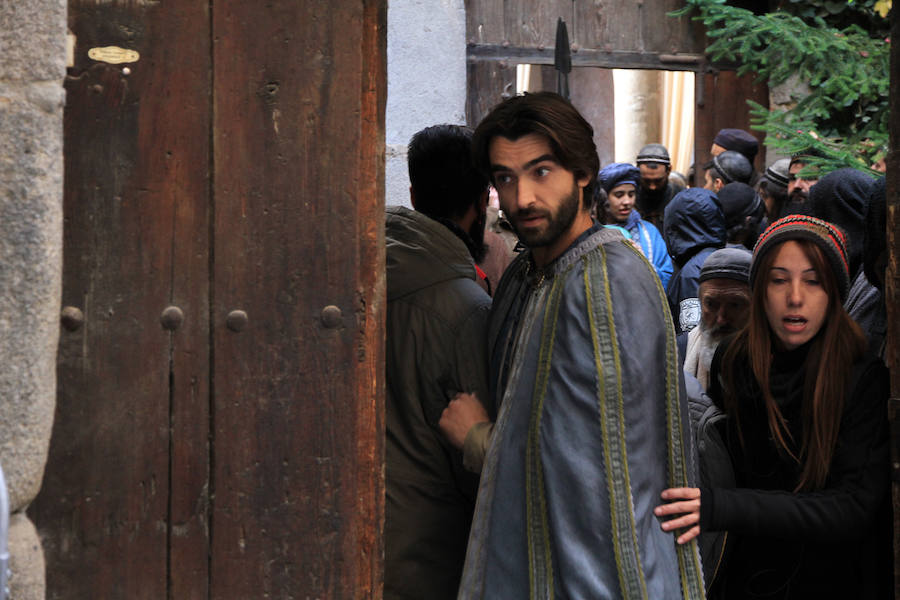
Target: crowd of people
{"points": [[605, 383]]}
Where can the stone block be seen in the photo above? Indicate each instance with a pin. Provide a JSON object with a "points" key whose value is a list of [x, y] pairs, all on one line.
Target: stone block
{"points": [[31, 167], [26, 560], [33, 40]]}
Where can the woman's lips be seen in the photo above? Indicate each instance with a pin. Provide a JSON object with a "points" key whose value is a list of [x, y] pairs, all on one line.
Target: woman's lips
{"points": [[794, 323]]}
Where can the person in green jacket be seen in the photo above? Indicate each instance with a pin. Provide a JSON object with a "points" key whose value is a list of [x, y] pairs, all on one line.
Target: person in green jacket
{"points": [[436, 330]]}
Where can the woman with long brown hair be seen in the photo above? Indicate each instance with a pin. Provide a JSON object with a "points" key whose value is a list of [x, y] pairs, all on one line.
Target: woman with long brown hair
{"points": [[808, 514]]}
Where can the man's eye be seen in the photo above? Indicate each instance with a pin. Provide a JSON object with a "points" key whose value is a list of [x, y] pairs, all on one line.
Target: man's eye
{"points": [[541, 171], [502, 179]]}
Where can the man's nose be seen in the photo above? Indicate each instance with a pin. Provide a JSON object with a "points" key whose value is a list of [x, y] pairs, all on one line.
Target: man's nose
{"points": [[721, 316], [524, 194]]}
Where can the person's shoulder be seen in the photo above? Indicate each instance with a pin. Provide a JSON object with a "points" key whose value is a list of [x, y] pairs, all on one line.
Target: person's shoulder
{"points": [[653, 229], [620, 254], [468, 292]]}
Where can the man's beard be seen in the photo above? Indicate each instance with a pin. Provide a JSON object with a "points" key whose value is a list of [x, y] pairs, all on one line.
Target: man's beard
{"points": [[709, 341], [478, 250], [558, 222], [799, 195], [653, 197]]}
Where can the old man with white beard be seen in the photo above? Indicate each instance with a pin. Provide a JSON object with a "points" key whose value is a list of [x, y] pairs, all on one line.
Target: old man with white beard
{"points": [[724, 296]]}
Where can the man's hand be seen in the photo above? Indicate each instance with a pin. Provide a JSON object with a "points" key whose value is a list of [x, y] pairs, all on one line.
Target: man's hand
{"points": [[461, 414]]}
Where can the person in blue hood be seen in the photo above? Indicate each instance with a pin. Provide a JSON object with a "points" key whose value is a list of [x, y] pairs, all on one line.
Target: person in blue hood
{"points": [[619, 183], [694, 228]]}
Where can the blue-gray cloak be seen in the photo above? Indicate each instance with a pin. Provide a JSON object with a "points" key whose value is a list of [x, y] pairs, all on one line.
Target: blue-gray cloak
{"points": [[593, 425]]}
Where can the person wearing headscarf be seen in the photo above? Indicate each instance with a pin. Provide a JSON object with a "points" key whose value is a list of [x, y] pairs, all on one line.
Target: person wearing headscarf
{"points": [[620, 181]]}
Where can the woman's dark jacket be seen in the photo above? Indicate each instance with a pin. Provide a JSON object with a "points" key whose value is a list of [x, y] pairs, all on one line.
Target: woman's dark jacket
{"points": [[831, 543]]}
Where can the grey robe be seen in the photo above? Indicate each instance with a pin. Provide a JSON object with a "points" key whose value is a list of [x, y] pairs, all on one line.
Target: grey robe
{"points": [[593, 426]]}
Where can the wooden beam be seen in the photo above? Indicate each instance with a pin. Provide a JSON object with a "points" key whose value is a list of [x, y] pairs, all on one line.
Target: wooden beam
{"points": [[588, 58]]}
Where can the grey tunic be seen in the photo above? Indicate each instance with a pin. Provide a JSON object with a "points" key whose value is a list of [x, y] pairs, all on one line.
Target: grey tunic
{"points": [[593, 425]]}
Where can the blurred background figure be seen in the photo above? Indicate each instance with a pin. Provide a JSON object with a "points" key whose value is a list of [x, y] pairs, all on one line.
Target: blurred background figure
{"points": [[724, 308], [740, 141], [620, 182], [694, 229], [772, 188], [656, 189], [743, 210]]}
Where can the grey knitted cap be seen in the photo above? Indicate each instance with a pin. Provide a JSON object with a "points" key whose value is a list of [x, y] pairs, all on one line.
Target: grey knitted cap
{"points": [[727, 263]]}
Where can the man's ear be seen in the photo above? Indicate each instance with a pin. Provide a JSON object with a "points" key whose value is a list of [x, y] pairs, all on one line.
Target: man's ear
{"points": [[412, 197], [583, 181]]}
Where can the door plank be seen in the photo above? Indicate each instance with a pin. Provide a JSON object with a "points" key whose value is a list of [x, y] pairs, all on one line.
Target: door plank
{"points": [[724, 98], [298, 183], [135, 198]]}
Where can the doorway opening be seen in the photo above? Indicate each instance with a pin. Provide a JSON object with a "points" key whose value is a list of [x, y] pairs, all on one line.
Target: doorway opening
{"points": [[628, 108]]}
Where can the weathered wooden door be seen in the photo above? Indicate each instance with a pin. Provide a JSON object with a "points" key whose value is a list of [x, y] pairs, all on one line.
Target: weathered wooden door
{"points": [[613, 34], [218, 422]]}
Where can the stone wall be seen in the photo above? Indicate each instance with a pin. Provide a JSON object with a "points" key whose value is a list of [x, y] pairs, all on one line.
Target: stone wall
{"points": [[426, 79], [33, 47]]}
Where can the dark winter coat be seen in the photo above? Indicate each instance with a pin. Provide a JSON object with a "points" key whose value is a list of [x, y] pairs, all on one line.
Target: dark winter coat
{"points": [[842, 197], [831, 543], [436, 331], [694, 228]]}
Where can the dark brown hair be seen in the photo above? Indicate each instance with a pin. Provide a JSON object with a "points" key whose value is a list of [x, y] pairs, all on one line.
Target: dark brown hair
{"points": [[571, 138], [441, 173], [833, 351]]}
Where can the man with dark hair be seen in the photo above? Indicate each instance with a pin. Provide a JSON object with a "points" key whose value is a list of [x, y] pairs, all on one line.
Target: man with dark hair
{"points": [[436, 325], [727, 167], [584, 441], [446, 188], [657, 189], [798, 187]]}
